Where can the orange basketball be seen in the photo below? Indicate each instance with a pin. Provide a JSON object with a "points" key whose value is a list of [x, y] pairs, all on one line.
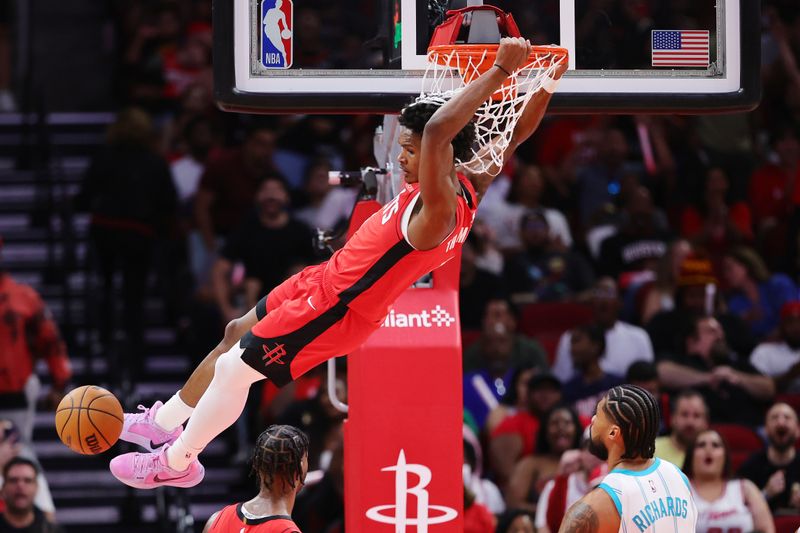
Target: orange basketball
{"points": [[89, 420]]}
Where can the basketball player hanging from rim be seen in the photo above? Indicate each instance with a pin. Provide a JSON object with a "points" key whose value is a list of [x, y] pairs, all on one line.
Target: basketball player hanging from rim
{"points": [[640, 494], [331, 309]]}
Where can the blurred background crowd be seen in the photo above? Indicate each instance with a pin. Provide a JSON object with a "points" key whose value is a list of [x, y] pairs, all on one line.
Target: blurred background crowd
{"points": [[657, 250]]}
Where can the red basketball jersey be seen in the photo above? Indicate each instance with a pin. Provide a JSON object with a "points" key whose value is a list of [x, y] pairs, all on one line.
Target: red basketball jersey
{"points": [[232, 520], [377, 264]]}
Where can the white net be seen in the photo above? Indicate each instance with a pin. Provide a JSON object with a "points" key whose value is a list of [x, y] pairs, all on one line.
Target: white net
{"points": [[451, 68]]}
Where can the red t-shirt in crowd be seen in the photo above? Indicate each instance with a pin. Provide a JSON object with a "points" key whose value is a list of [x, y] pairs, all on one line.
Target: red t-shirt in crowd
{"points": [[523, 424]]}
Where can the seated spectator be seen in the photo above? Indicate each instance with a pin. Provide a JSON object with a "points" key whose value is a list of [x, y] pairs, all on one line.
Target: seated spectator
{"points": [[644, 374], [19, 488], [515, 521], [781, 359], [600, 172], [541, 272], [487, 256], [484, 491], [515, 436], [262, 232], [776, 469], [625, 343], [717, 224], [689, 416], [660, 296], [515, 401], [588, 346], [755, 295], [187, 169], [640, 242], [694, 297], [315, 188], [580, 472], [490, 363], [476, 286], [560, 431], [525, 194], [723, 504], [733, 390], [11, 448]]}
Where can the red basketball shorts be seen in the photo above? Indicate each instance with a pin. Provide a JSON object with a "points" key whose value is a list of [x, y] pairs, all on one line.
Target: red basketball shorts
{"points": [[299, 327]]}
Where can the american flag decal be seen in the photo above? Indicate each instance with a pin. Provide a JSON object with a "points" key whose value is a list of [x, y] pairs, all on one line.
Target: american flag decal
{"points": [[680, 48]]}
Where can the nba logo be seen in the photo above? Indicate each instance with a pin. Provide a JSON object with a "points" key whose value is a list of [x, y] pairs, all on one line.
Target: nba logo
{"points": [[276, 33]]}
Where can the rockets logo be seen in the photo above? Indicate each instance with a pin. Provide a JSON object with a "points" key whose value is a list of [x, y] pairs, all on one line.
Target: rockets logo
{"points": [[277, 33]]}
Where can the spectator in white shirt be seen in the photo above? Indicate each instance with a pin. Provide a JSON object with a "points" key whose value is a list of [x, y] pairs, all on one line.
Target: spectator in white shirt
{"points": [[781, 360], [625, 343]]}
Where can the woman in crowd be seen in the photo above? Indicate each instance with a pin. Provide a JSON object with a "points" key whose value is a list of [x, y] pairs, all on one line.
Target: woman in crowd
{"points": [[579, 472], [560, 431], [723, 504], [755, 295]]}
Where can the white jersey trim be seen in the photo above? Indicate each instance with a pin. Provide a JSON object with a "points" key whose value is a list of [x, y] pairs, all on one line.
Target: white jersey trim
{"points": [[406, 218]]}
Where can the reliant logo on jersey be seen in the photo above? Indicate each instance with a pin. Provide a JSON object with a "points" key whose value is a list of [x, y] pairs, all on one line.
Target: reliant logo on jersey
{"points": [[437, 317], [276, 36]]}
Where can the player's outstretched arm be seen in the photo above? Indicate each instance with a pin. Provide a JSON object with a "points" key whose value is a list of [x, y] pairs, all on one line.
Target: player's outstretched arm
{"points": [[437, 216], [527, 124], [533, 113], [594, 513]]}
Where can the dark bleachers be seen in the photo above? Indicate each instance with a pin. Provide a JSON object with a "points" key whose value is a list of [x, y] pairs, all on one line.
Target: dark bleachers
{"points": [[87, 497]]}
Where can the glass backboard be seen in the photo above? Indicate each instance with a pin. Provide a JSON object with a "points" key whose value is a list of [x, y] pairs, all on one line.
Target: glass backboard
{"points": [[369, 56]]}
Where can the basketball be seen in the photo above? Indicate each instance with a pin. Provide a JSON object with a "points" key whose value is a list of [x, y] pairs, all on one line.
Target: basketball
{"points": [[89, 420], [286, 34]]}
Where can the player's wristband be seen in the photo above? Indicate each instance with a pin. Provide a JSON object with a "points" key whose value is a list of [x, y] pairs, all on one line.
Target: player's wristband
{"points": [[498, 65], [549, 84]]}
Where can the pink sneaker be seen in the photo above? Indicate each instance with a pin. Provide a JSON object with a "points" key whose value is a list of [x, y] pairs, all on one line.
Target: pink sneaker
{"points": [[141, 429], [150, 470]]}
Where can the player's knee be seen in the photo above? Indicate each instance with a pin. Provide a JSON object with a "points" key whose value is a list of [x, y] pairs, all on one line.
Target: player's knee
{"points": [[228, 365], [231, 332]]}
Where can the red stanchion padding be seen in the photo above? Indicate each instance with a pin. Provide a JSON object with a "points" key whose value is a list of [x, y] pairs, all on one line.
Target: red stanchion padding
{"points": [[403, 435]]}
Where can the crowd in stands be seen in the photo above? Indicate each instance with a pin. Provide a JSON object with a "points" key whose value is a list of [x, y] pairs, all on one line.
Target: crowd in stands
{"points": [[586, 269]]}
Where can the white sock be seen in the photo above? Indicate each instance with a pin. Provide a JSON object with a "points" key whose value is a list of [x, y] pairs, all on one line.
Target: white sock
{"points": [[218, 408], [173, 413], [180, 455]]}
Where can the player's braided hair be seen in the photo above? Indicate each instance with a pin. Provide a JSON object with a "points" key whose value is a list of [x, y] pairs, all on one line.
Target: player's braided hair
{"points": [[637, 414], [279, 455], [415, 115]]}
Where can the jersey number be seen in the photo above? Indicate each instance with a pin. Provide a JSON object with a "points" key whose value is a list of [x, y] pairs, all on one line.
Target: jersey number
{"points": [[390, 209]]}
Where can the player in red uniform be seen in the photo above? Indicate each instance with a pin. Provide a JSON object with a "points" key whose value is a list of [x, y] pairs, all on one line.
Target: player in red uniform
{"points": [[331, 309], [280, 460]]}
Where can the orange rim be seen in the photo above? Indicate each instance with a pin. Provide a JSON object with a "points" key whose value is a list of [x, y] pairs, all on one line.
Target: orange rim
{"points": [[483, 55]]}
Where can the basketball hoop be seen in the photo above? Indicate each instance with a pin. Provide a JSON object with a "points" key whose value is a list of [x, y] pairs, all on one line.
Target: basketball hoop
{"points": [[452, 66]]}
